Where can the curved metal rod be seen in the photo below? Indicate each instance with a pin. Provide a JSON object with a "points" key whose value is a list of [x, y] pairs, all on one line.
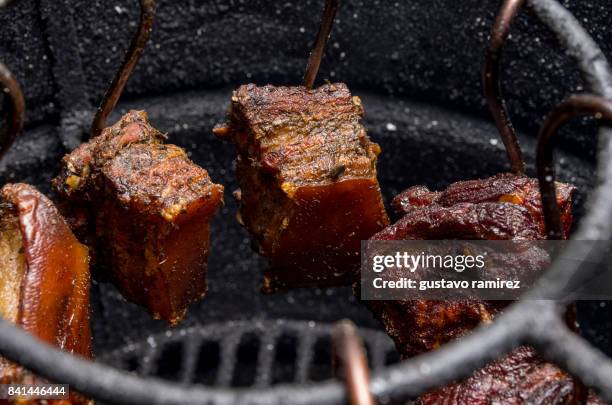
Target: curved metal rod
{"points": [[14, 109], [351, 363], [492, 83], [408, 379], [571, 107], [314, 62], [551, 337], [147, 16]]}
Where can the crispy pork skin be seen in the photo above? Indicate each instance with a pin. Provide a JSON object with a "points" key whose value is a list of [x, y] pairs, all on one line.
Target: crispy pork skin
{"points": [[503, 207], [308, 187], [149, 209], [44, 278]]}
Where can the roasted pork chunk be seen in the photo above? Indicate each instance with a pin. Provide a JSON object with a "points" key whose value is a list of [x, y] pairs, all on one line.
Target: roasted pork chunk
{"points": [[505, 187], [520, 377], [44, 278], [148, 210], [308, 187], [502, 207], [487, 221], [418, 326]]}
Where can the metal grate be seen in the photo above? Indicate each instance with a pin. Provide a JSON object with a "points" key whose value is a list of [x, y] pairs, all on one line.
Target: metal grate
{"points": [[245, 353]]}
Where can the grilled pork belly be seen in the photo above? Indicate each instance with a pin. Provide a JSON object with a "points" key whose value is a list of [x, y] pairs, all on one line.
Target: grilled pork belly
{"points": [[418, 326], [487, 221], [503, 207], [504, 187], [148, 210], [308, 187], [44, 278], [520, 377]]}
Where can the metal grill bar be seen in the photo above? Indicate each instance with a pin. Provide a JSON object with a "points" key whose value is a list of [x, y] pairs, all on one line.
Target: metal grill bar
{"points": [[265, 361], [149, 359], [190, 356], [228, 360], [304, 358], [229, 338]]}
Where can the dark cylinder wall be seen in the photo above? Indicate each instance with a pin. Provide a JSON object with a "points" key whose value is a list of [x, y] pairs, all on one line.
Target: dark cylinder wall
{"points": [[64, 52]]}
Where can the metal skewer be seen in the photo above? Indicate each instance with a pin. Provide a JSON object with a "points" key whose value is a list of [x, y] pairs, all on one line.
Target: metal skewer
{"points": [[327, 21], [576, 105], [492, 84], [13, 109], [142, 35], [351, 363]]}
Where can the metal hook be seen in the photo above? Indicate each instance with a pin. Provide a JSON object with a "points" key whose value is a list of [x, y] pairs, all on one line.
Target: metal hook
{"points": [[492, 83], [314, 62], [571, 107], [14, 109], [147, 16], [350, 362]]}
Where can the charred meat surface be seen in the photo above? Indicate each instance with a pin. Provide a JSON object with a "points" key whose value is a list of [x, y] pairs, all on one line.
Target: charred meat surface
{"points": [[419, 326], [488, 221], [504, 187], [44, 278], [520, 377], [147, 210], [308, 187], [503, 207]]}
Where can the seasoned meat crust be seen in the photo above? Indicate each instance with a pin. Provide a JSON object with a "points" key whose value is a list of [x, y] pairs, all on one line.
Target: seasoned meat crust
{"points": [[498, 208], [147, 210], [303, 136], [503, 187], [520, 377], [418, 326], [307, 171], [44, 277], [488, 221]]}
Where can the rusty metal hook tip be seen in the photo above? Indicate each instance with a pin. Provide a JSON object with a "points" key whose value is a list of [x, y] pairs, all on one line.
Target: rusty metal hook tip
{"points": [[492, 84], [316, 55], [142, 35], [351, 363], [14, 109], [573, 106]]}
